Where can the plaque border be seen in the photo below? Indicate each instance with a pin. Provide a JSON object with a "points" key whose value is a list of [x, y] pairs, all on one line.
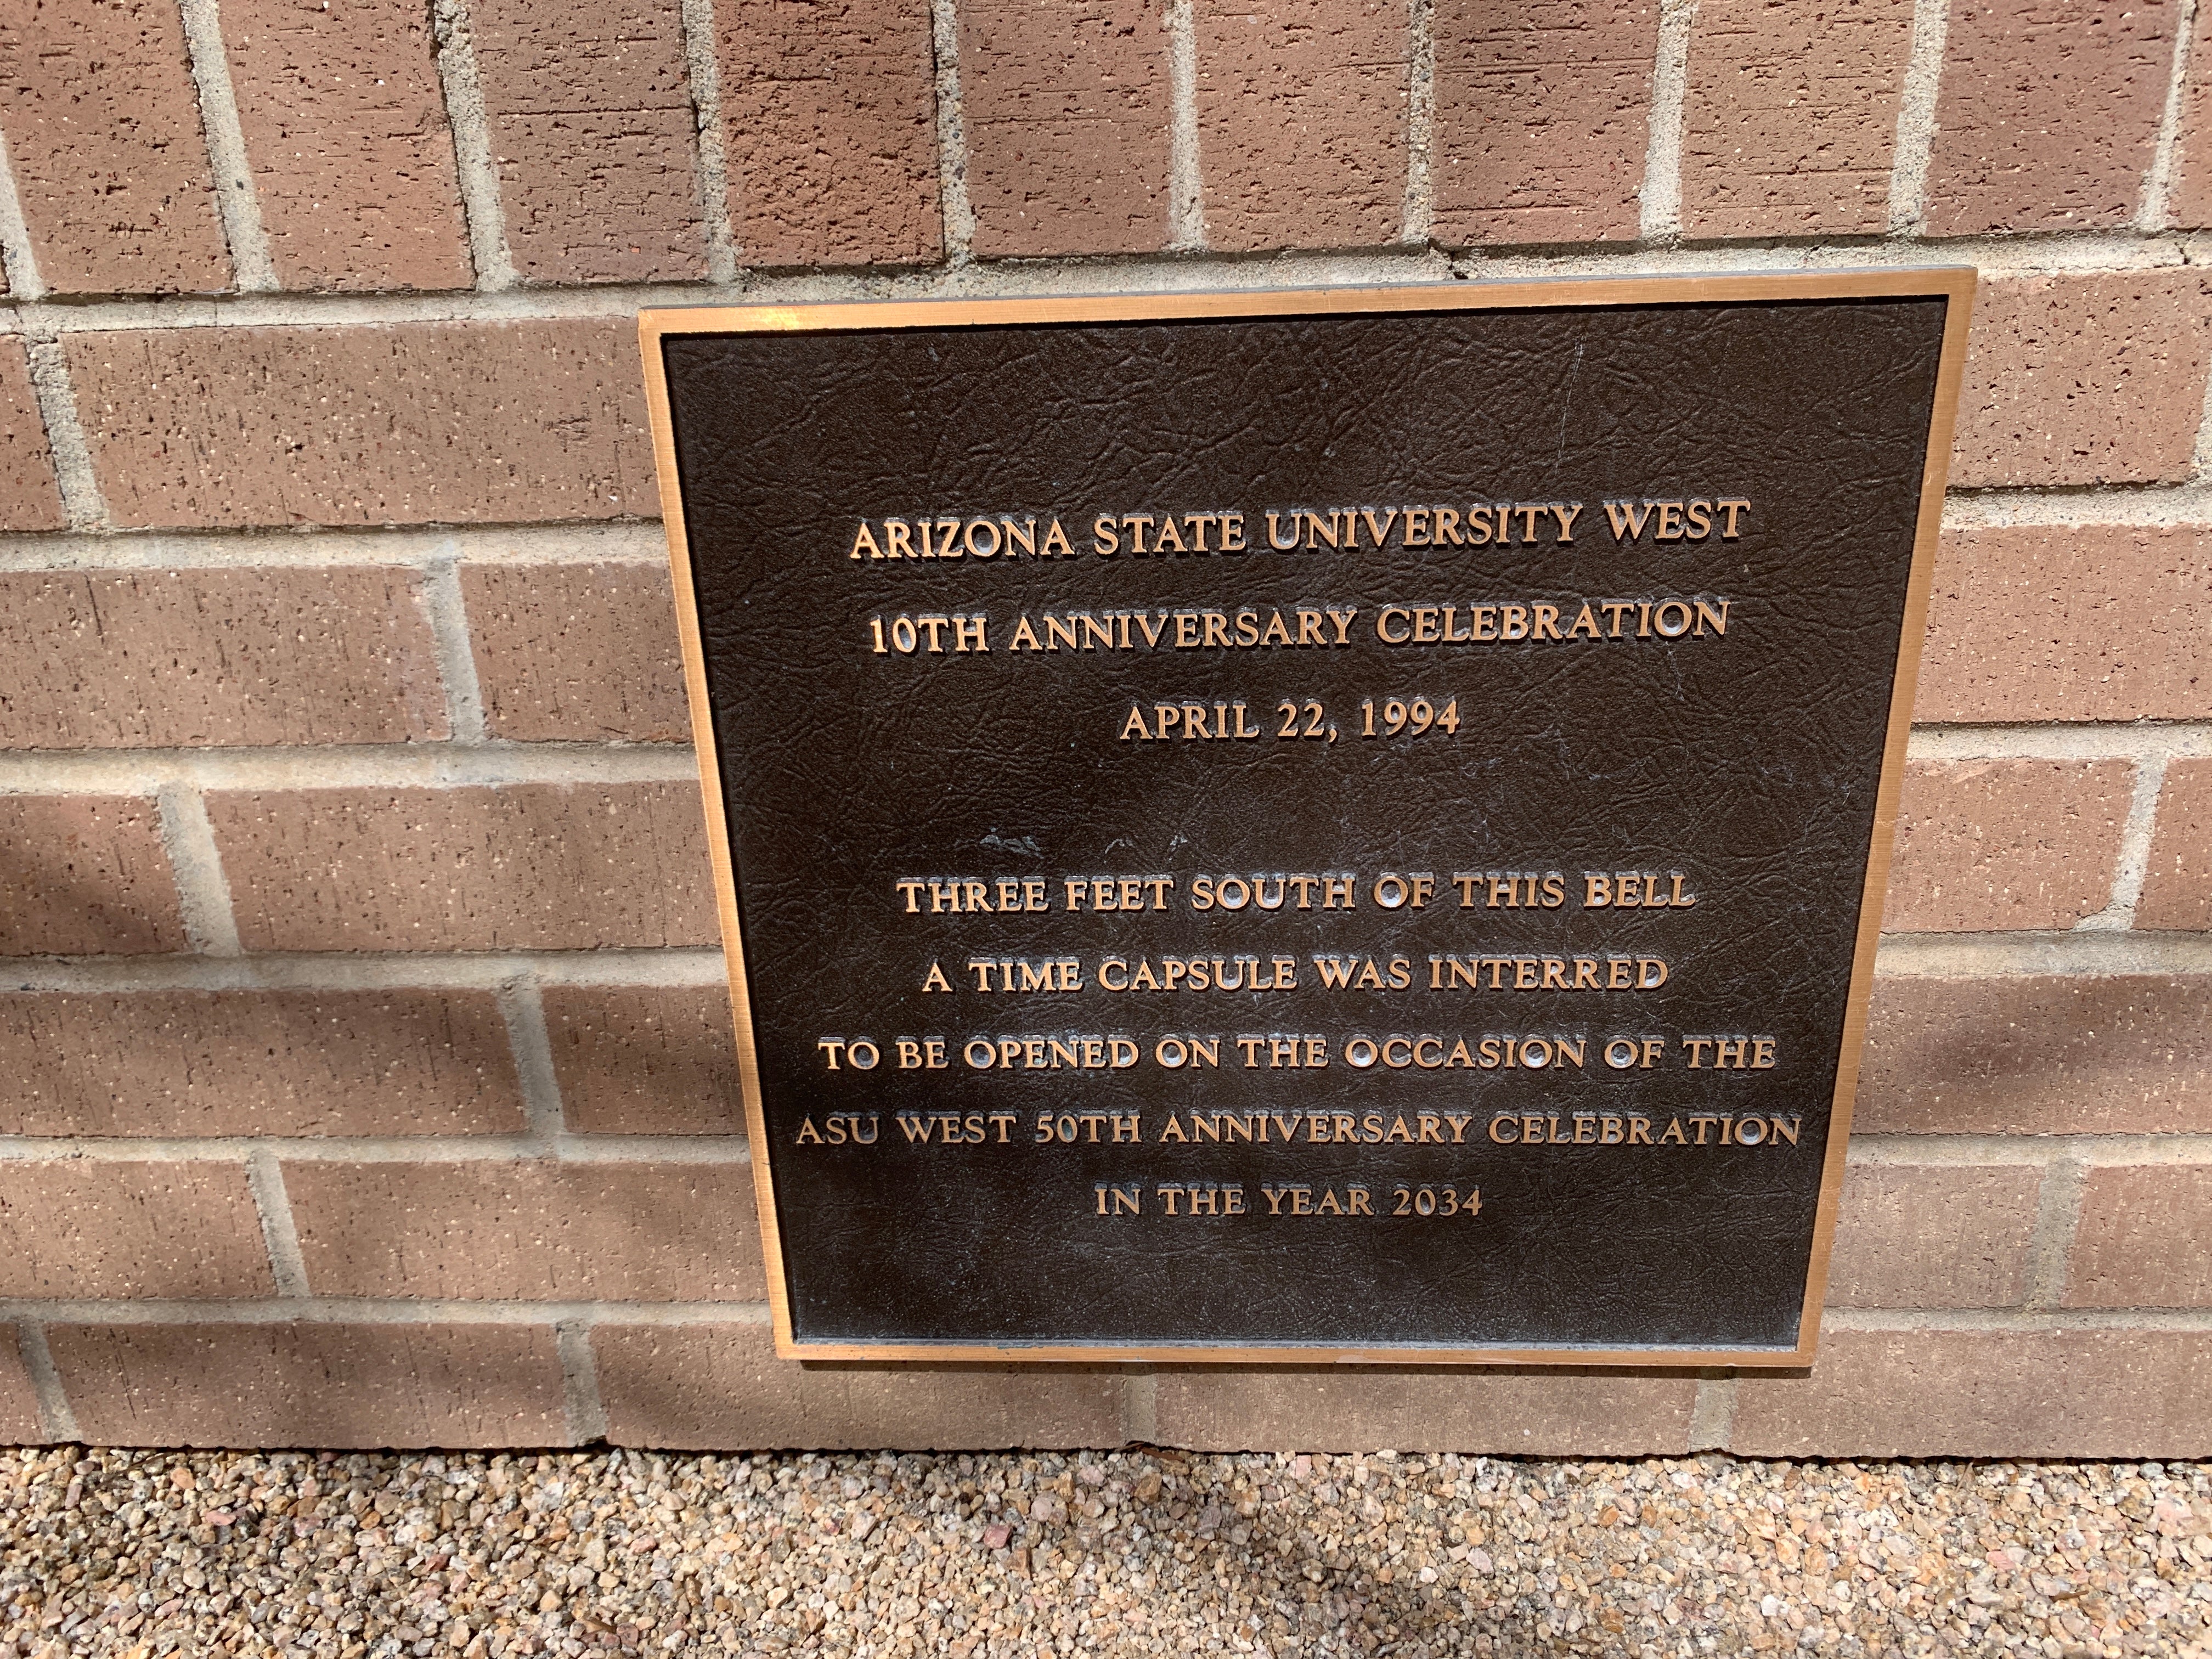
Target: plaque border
{"points": [[1955, 283]]}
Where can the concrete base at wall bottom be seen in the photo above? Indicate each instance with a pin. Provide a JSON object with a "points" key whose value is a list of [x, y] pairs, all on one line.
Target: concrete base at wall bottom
{"points": [[1923, 1392]]}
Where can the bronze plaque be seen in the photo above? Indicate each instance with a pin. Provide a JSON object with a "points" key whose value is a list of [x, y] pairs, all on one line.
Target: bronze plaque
{"points": [[1344, 825]]}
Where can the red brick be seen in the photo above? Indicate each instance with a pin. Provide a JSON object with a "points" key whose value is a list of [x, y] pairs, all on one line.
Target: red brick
{"points": [[85, 875], [1302, 122], [538, 866], [2087, 623], [2084, 379], [104, 137], [2124, 1055], [2047, 115], [345, 129], [646, 1061], [1984, 1393], [1542, 119], [179, 1063], [1933, 1237], [78, 1228], [534, 1231], [20, 1424], [580, 652], [2178, 890], [185, 658], [1989, 846], [2189, 199], [1065, 104], [829, 119], [1531, 1412], [2140, 1239], [722, 1386], [597, 144], [29, 497], [312, 1385], [1789, 119], [399, 423]]}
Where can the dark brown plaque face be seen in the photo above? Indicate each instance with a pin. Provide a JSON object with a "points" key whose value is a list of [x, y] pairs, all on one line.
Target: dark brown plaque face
{"points": [[1301, 825]]}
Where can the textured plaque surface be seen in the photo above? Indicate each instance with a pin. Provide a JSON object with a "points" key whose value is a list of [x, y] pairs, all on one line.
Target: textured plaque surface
{"points": [[1444, 937]]}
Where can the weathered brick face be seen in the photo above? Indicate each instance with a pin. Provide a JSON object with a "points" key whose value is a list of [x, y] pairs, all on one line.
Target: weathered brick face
{"points": [[103, 130], [20, 1417], [721, 1385], [829, 117], [2049, 115], [1066, 110], [2049, 623], [85, 875], [2178, 888], [1542, 119], [313, 1384], [372, 1077], [409, 424], [30, 496], [1905, 1393], [2092, 380], [122, 1231], [1302, 118], [181, 1064], [2124, 1254], [353, 161], [1535, 1414], [530, 1231], [592, 131], [2040, 1055], [1790, 119], [1934, 1237], [534, 867], [2190, 201], [646, 1059], [1984, 846], [163, 658], [577, 652]]}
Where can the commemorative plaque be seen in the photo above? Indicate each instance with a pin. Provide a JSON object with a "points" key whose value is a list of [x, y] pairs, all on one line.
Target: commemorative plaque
{"points": [[1333, 825]]}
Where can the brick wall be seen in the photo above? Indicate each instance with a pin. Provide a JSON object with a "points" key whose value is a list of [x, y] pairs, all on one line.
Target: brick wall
{"points": [[369, 1077]]}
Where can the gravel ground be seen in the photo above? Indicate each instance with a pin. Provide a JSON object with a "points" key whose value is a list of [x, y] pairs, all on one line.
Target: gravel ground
{"points": [[142, 1553]]}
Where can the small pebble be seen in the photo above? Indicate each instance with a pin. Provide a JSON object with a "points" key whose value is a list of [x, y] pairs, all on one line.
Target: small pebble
{"points": [[481, 1555]]}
